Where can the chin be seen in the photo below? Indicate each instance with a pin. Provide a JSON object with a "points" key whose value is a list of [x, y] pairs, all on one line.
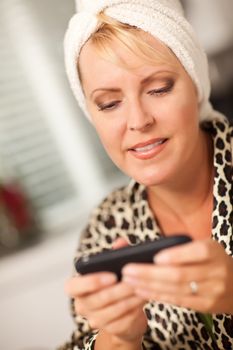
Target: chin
{"points": [[148, 182], [151, 179], [149, 175]]}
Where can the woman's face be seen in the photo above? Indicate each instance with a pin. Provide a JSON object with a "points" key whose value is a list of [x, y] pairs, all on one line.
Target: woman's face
{"points": [[146, 116]]}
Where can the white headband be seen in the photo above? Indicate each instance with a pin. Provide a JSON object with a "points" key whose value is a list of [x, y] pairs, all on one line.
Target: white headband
{"points": [[163, 19]]}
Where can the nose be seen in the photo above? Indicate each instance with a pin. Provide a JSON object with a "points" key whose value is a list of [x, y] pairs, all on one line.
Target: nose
{"points": [[139, 118]]}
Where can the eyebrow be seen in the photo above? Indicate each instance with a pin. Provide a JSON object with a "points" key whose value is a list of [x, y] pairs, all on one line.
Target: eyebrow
{"points": [[146, 80], [105, 89]]}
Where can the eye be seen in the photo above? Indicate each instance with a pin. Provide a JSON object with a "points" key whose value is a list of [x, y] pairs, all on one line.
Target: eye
{"points": [[108, 106], [161, 91]]}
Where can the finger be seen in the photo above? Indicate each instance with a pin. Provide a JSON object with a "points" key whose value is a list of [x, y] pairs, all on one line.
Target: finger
{"points": [[82, 285], [101, 318], [209, 288], [197, 302], [196, 251], [157, 288], [107, 296], [120, 243], [150, 273]]}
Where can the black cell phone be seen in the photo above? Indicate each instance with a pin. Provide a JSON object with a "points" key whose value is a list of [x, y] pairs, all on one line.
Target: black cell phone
{"points": [[114, 260]]}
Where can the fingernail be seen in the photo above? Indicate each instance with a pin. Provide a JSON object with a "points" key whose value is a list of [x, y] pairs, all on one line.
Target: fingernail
{"points": [[108, 279]]}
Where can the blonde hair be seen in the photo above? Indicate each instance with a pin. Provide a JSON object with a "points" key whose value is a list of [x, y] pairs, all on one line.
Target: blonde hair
{"points": [[132, 38]]}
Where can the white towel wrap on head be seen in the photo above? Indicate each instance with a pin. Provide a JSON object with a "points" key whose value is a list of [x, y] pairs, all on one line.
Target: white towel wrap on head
{"points": [[163, 19]]}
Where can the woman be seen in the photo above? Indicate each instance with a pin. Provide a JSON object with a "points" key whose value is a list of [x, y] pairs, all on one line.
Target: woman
{"points": [[141, 77]]}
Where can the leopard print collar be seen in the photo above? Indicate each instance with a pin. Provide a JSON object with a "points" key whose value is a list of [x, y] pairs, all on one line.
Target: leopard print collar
{"points": [[222, 215]]}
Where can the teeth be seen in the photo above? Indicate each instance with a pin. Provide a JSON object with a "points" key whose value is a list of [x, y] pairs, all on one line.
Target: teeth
{"points": [[148, 147]]}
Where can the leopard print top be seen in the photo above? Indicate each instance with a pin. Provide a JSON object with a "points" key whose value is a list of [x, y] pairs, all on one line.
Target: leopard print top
{"points": [[126, 213]]}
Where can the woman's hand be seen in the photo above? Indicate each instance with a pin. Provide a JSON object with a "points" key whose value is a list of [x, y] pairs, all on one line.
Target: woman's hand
{"points": [[109, 306], [203, 262]]}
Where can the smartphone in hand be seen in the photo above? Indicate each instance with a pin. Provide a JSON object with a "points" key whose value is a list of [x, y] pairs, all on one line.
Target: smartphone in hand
{"points": [[114, 260]]}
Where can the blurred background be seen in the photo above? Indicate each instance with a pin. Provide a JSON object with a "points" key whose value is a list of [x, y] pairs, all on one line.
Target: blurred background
{"points": [[53, 170]]}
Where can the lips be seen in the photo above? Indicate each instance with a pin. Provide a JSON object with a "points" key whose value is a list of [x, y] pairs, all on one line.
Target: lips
{"points": [[142, 147], [149, 149]]}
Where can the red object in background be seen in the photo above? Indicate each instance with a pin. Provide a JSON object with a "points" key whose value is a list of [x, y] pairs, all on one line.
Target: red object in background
{"points": [[16, 205]]}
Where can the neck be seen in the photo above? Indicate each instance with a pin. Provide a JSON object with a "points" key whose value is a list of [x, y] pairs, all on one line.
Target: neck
{"points": [[189, 191]]}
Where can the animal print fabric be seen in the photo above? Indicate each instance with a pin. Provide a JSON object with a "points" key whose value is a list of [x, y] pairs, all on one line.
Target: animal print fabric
{"points": [[126, 213]]}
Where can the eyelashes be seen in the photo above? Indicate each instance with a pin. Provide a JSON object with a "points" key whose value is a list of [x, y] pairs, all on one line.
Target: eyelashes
{"points": [[108, 106], [154, 92], [161, 91]]}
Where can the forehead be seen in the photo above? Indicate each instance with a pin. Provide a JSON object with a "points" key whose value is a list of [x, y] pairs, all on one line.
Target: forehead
{"points": [[94, 66]]}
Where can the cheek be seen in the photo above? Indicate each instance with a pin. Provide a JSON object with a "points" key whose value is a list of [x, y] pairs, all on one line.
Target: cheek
{"points": [[183, 126], [111, 137], [191, 121], [185, 113], [107, 142], [189, 105], [111, 132]]}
